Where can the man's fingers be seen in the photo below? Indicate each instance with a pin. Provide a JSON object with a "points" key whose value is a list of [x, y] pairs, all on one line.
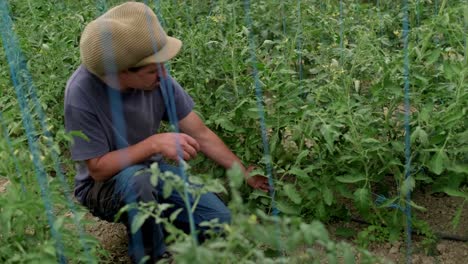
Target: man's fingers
{"points": [[187, 156], [190, 150], [250, 168], [192, 142]]}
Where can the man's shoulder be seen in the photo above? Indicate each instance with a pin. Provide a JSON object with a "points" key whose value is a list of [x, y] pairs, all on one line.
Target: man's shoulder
{"points": [[82, 77], [80, 85]]}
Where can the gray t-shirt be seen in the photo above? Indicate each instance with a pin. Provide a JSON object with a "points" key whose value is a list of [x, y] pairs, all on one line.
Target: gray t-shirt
{"points": [[112, 119]]}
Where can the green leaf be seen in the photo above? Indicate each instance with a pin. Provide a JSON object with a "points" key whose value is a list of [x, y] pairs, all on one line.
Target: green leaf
{"points": [[458, 168], [225, 124], [175, 214], [362, 198], [288, 208], [298, 172], [292, 194], [351, 178], [330, 134], [419, 134], [438, 162], [414, 205], [327, 195], [301, 155], [78, 134], [462, 138], [456, 218], [348, 255], [455, 193], [167, 190], [407, 185], [138, 221], [345, 232], [235, 176], [433, 57]]}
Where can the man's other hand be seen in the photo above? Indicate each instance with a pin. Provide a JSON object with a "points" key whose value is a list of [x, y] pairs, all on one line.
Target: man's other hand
{"points": [[257, 181]]}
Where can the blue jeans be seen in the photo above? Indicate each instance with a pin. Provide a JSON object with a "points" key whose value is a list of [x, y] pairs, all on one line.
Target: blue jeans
{"points": [[104, 199]]}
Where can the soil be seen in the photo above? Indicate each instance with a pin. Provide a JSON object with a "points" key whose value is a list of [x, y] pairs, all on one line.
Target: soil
{"points": [[441, 210]]}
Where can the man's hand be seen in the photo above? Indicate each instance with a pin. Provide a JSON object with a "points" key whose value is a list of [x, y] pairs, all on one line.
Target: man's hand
{"points": [[167, 145], [257, 181]]}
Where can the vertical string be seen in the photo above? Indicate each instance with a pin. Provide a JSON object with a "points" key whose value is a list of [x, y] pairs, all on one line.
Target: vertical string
{"points": [[31, 91], [407, 129], [167, 90], [18, 71], [261, 112]]}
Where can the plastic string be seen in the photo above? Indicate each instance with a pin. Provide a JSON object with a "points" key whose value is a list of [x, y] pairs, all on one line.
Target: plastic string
{"points": [[167, 90], [407, 129], [261, 111], [19, 76]]}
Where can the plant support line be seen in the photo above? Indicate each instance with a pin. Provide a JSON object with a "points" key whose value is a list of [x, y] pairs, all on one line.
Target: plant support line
{"points": [[169, 101], [18, 70], [261, 112], [407, 129]]}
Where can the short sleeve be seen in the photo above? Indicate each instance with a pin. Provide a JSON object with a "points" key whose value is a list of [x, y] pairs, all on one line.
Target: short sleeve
{"points": [[183, 102], [96, 144]]}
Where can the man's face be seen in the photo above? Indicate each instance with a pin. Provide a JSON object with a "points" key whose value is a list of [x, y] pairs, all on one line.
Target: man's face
{"points": [[146, 78]]}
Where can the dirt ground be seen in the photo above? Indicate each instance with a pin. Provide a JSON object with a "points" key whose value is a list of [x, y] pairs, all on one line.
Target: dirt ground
{"points": [[439, 215]]}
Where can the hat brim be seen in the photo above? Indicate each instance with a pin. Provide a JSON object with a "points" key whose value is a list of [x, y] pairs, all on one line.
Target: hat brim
{"points": [[167, 52]]}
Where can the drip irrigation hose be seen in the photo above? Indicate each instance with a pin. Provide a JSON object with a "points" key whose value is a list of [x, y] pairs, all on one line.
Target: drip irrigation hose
{"points": [[439, 235]]}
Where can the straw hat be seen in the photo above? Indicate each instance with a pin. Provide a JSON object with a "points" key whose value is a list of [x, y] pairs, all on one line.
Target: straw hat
{"points": [[126, 36]]}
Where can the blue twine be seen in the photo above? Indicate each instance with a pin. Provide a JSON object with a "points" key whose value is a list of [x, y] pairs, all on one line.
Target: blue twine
{"points": [[56, 160], [157, 4], [381, 199], [407, 129], [169, 100], [115, 100], [18, 71], [101, 6], [10, 148], [261, 111]]}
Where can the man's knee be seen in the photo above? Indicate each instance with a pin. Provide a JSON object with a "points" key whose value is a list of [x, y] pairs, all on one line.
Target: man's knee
{"points": [[135, 184], [225, 216]]}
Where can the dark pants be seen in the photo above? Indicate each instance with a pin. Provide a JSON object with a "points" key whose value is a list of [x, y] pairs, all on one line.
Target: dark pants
{"points": [[104, 199]]}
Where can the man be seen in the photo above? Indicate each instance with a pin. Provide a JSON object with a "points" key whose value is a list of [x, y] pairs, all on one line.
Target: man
{"points": [[116, 98]]}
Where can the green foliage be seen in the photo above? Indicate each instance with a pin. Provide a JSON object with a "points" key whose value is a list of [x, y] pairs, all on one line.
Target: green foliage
{"points": [[252, 237], [25, 233]]}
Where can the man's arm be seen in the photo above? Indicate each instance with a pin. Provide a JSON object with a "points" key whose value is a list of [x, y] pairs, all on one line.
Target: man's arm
{"points": [[104, 167], [213, 147]]}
